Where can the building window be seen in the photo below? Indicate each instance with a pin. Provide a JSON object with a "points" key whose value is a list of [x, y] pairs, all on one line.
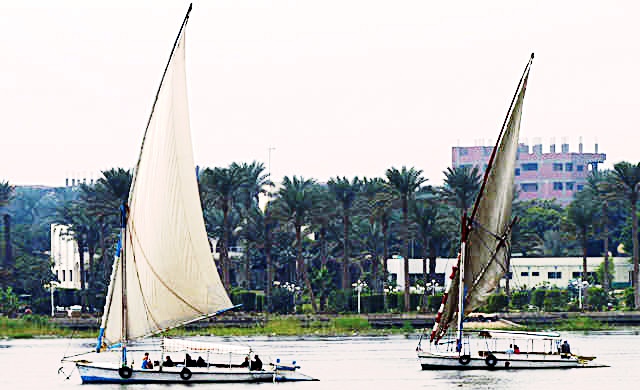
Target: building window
{"points": [[568, 167], [530, 167], [508, 275], [557, 166], [488, 150], [554, 275], [525, 273], [63, 276], [535, 273], [517, 171], [464, 152], [579, 168], [557, 186], [70, 276], [529, 187], [580, 187], [569, 186]]}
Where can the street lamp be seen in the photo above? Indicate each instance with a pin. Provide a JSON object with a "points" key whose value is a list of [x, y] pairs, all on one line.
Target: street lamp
{"points": [[580, 286], [359, 285], [52, 286]]}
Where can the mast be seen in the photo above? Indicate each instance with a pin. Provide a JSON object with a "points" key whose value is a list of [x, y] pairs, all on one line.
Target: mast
{"points": [[123, 276], [461, 288]]}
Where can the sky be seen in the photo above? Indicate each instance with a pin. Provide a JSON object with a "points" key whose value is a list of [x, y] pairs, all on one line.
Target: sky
{"points": [[333, 88]]}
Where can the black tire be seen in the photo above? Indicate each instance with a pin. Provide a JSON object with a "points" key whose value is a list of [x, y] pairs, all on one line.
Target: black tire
{"points": [[185, 374], [464, 359], [125, 372], [491, 360]]}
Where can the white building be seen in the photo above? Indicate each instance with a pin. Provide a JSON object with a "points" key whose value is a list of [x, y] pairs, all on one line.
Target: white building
{"points": [[525, 271], [66, 258]]}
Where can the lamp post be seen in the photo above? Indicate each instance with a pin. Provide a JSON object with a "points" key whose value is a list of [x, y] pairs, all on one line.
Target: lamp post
{"points": [[359, 285], [52, 285]]}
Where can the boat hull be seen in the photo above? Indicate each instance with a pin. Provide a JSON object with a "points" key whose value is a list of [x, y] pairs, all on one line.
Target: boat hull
{"points": [[99, 373], [503, 361]]}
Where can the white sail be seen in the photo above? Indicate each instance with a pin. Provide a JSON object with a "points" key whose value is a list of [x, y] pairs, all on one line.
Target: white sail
{"points": [[487, 246], [171, 278]]}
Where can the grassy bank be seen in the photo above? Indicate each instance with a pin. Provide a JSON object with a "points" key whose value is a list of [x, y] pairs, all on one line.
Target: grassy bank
{"points": [[346, 325]]}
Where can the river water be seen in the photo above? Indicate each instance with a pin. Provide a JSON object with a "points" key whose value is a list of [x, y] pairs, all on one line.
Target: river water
{"points": [[348, 363]]}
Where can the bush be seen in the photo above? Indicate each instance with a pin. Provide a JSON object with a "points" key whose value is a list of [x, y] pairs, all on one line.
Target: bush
{"points": [[281, 301], [520, 299], [555, 300], [372, 303], [628, 298], [340, 301], [538, 297], [434, 302], [246, 298], [596, 298], [414, 301], [496, 303]]}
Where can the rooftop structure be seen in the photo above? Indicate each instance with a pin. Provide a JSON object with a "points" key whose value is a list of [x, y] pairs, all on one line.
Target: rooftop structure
{"points": [[554, 175]]}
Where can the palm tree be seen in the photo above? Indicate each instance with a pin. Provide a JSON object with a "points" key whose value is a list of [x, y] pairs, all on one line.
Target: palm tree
{"points": [[345, 193], [219, 187], [461, 186], [6, 193], [294, 202], [596, 185], [378, 208], [624, 184], [254, 185], [580, 216], [403, 185]]}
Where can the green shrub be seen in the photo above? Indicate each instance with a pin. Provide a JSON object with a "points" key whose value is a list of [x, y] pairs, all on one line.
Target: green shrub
{"points": [[538, 297], [555, 300], [520, 299], [596, 298], [496, 303], [434, 302], [372, 303], [281, 301], [246, 298], [628, 298], [340, 301]]}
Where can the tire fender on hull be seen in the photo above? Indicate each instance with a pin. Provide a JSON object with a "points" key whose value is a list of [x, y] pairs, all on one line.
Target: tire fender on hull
{"points": [[491, 360], [125, 372], [185, 374], [464, 359]]}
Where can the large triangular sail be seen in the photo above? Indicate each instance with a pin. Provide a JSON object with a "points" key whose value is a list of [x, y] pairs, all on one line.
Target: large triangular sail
{"points": [[171, 278], [486, 233]]}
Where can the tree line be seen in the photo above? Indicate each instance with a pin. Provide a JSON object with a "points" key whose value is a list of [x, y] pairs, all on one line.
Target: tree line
{"points": [[317, 238]]}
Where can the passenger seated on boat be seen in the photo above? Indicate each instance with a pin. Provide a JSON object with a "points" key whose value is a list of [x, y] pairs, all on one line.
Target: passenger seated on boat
{"points": [[168, 362], [256, 364], [516, 349], [245, 363], [565, 349], [189, 362], [510, 350], [200, 362], [147, 364]]}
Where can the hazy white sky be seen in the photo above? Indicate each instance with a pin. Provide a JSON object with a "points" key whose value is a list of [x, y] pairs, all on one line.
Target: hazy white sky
{"points": [[337, 87]]}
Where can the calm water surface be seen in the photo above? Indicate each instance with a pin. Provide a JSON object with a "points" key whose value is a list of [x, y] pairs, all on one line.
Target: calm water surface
{"points": [[351, 363]]}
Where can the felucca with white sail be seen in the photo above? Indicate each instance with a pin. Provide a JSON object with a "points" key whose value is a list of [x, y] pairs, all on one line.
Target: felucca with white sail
{"points": [[484, 254], [164, 275]]}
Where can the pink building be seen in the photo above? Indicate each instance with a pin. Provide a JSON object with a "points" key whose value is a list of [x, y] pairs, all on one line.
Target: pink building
{"points": [[539, 175]]}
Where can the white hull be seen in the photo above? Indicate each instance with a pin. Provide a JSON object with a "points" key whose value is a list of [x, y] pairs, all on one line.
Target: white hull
{"points": [[452, 361], [108, 373]]}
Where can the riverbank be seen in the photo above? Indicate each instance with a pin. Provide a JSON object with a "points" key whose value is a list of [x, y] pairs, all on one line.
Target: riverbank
{"points": [[259, 324]]}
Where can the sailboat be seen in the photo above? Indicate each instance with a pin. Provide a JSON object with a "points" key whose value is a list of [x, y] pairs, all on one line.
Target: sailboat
{"points": [[485, 249], [164, 274]]}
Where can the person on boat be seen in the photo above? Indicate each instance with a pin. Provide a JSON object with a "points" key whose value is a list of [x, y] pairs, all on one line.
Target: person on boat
{"points": [[168, 362], [189, 362], [516, 349], [245, 363], [565, 348], [256, 364], [200, 362], [510, 350], [147, 364]]}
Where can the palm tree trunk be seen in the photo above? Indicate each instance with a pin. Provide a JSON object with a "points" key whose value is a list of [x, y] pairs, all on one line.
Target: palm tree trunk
{"points": [[405, 254], [269, 281], [91, 278], [584, 266], [302, 275], [8, 260], [247, 267], [425, 257], [345, 262], [385, 258], [224, 252], [636, 255], [606, 281], [83, 295]]}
